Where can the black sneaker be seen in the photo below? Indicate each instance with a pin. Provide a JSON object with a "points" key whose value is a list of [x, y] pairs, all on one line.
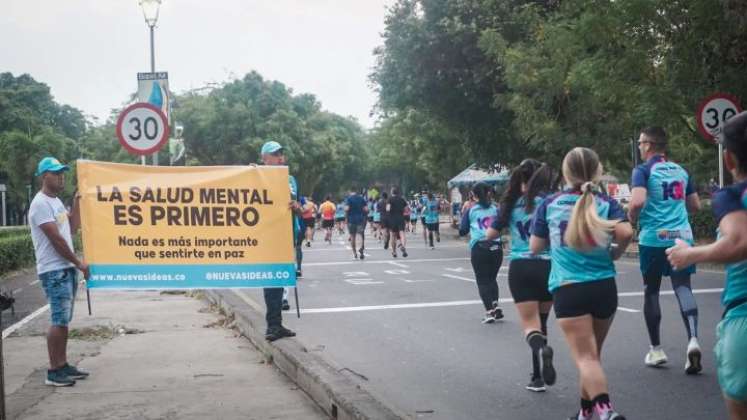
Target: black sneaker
{"points": [[536, 384], [548, 371], [286, 305], [276, 333], [404, 252], [299, 274], [74, 373], [497, 311], [58, 377], [361, 252]]}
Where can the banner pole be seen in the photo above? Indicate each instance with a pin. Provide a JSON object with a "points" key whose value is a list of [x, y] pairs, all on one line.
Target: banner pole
{"points": [[88, 298], [298, 309]]}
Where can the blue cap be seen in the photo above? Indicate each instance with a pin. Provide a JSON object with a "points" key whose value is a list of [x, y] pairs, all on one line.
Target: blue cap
{"points": [[50, 164], [271, 147]]}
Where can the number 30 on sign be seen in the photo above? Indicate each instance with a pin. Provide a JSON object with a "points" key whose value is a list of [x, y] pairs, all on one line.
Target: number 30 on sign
{"points": [[713, 112], [142, 129]]}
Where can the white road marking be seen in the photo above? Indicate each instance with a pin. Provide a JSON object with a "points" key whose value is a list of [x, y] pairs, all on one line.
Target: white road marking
{"points": [[355, 274], [671, 292], [416, 281], [464, 303], [333, 263], [451, 276], [456, 269], [396, 272], [10, 330], [15, 292], [398, 264], [34, 282], [363, 282]]}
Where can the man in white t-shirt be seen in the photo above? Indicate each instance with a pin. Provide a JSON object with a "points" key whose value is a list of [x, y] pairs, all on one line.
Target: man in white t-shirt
{"points": [[52, 228]]}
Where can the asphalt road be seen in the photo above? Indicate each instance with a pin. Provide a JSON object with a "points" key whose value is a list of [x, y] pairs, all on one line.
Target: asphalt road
{"points": [[410, 329]]}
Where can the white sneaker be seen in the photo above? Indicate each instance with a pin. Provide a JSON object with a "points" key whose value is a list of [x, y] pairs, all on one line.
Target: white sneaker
{"points": [[693, 366], [655, 357], [489, 318]]}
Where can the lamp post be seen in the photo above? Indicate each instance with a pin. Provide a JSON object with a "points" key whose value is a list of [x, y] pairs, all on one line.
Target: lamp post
{"points": [[150, 13]]}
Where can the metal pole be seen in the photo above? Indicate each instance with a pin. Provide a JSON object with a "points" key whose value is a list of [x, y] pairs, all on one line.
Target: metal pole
{"points": [[5, 221], [153, 70], [720, 164]]}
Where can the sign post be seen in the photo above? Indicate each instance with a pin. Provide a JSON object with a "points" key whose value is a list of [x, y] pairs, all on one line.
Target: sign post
{"points": [[713, 112], [142, 129]]}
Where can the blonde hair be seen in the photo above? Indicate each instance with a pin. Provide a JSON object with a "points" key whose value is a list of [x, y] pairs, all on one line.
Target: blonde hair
{"points": [[586, 230]]}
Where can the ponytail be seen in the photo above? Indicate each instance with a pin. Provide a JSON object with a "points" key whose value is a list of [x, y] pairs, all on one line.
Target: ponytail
{"points": [[482, 192], [543, 181], [586, 230]]}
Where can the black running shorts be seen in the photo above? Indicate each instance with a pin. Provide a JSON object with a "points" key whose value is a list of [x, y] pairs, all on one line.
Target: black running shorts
{"points": [[597, 298], [309, 222], [527, 280], [432, 227], [328, 224], [397, 224]]}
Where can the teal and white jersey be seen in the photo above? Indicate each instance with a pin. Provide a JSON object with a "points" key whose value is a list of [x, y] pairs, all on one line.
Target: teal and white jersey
{"points": [[476, 221], [519, 224], [664, 216], [725, 201], [376, 214], [340, 211], [431, 211], [413, 212], [550, 221]]}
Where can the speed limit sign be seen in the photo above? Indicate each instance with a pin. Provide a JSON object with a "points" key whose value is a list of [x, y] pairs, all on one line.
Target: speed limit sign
{"points": [[142, 128], [713, 112]]}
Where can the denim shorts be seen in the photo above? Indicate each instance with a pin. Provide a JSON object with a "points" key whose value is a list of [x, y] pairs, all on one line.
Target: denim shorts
{"points": [[60, 286], [730, 350]]}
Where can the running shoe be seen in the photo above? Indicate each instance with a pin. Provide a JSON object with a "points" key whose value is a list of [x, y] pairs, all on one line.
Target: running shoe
{"points": [[536, 384], [286, 305], [497, 311], [73, 372], [362, 254], [299, 274], [404, 252], [548, 371], [489, 318], [308, 244], [355, 255], [582, 416], [655, 357], [58, 377], [277, 333], [394, 253], [693, 366], [612, 415]]}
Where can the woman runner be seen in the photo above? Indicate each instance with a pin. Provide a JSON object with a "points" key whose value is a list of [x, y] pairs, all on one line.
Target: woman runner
{"points": [[527, 273], [486, 254], [578, 225]]}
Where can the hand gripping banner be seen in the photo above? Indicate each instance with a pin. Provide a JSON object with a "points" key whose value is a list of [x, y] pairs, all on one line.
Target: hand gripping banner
{"points": [[161, 227]]}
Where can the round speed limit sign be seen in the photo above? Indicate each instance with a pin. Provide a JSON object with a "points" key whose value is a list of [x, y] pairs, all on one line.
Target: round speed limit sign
{"points": [[713, 112], [142, 128]]}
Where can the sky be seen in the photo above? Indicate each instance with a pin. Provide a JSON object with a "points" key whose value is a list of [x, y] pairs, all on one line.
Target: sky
{"points": [[90, 51]]}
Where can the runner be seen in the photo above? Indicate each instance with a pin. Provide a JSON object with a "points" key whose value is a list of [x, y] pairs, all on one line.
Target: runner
{"points": [[578, 225], [355, 210], [340, 217], [309, 210], [662, 195], [381, 207], [431, 219], [422, 206], [527, 273], [413, 216], [372, 210], [729, 206], [396, 209], [486, 254], [376, 225], [327, 210]]}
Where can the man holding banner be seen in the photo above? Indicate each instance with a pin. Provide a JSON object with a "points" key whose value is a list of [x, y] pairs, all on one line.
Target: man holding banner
{"points": [[56, 263], [273, 155]]}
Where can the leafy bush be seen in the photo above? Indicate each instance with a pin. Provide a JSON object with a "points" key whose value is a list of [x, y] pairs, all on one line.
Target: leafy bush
{"points": [[703, 223], [6, 232], [16, 252]]}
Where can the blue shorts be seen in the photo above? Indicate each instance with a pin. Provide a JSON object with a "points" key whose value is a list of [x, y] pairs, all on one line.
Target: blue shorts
{"points": [[654, 262], [731, 362], [60, 286]]}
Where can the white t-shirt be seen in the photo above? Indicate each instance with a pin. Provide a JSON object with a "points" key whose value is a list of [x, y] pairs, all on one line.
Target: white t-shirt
{"points": [[45, 209]]}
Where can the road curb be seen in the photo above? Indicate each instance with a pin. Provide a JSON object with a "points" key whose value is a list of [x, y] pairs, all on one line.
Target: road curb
{"points": [[340, 396]]}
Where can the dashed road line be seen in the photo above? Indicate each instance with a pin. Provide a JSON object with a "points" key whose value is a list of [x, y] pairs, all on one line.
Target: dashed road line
{"points": [[452, 276]]}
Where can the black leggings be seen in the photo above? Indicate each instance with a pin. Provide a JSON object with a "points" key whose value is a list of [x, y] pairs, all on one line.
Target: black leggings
{"points": [[486, 264], [652, 310]]}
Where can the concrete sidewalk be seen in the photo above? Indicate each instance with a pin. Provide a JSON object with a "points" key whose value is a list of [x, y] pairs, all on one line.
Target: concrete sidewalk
{"points": [[151, 355]]}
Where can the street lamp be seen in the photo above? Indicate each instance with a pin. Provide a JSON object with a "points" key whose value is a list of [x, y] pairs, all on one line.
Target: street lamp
{"points": [[150, 13]]}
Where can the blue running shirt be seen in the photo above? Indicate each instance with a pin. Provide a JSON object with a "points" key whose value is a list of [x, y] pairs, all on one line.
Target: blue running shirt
{"points": [[356, 204], [476, 221], [520, 223], [664, 216], [725, 201], [570, 265], [431, 211]]}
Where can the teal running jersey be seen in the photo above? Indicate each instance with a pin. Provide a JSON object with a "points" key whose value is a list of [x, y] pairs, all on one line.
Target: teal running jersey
{"points": [[725, 201], [476, 222], [340, 211], [431, 211], [569, 265], [519, 224], [664, 216], [294, 196]]}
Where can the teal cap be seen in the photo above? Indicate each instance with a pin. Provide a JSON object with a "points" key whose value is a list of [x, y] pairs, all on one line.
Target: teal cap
{"points": [[50, 164], [271, 147]]}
